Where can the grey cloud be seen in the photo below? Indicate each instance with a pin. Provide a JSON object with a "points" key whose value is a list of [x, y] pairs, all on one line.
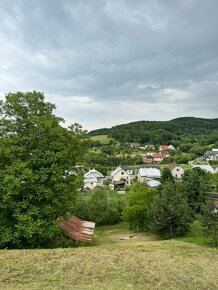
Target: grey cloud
{"points": [[151, 52]]}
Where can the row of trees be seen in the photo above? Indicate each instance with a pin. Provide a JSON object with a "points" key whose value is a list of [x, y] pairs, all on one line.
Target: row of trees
{"points": [[182, 132], [170, 210]]}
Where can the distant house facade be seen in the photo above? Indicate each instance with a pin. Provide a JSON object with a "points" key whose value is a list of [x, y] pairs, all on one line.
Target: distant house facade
{"points": [[177, 171], [158, 157], [122, 176], [92, 179]]}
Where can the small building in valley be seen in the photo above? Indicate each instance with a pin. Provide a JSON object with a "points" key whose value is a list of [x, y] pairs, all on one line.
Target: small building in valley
{"points": [[177, 171], [92, 179]]}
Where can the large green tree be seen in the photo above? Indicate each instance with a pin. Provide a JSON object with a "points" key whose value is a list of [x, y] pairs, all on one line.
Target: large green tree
{"points": [[36, 153], [139, 201], [170, 214], [197, 184]]}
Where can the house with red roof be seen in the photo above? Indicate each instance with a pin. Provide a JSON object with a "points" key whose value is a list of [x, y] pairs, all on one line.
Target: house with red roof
{"points": [[158, 157]]}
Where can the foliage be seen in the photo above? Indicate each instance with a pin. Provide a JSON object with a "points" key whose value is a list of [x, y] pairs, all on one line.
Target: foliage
{"points": [[35, 154], [166, 175], [139, 201], [197, 185], [182, 132], [170, 214], [101, 206], [209, 221]]}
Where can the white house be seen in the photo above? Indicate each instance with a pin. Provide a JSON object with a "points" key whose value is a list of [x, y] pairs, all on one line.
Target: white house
{"points": [[122, 174], [92, 179], [177, 171], [148, 173]]}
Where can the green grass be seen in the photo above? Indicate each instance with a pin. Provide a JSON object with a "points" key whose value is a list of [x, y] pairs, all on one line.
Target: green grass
{"points": [[195, 235], [104, 139], [111, 263]]}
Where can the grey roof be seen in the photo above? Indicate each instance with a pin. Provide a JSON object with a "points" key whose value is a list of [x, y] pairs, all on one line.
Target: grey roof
{"points": [[150, 172], [92, 180], [126, 168], [208, 168], [93, 173], [153, 183]]}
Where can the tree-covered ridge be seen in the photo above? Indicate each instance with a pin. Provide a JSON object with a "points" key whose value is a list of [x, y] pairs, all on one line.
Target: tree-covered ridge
{"points": [[164, 131]]}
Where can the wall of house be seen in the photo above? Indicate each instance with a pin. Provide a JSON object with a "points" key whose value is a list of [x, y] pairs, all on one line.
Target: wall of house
{"points": [[141, 178], [90, 185], [121, 175], [177, 172]]}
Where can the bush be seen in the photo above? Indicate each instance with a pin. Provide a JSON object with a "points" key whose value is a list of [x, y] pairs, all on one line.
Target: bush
{"points": [[170, 214], [139, 201], [101, 206]]}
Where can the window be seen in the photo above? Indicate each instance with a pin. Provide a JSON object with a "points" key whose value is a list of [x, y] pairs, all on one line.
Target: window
{"points": [[122, 173]]}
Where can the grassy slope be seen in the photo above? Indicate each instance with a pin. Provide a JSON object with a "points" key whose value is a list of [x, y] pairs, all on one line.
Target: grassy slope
{"points": [[104, 139], [142, 263]]}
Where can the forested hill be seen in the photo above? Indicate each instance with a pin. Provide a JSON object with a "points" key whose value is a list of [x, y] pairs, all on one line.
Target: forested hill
{"points": [[187, 129]]}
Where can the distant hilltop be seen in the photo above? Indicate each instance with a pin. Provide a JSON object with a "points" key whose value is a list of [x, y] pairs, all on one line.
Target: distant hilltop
{"points": [[164, 132]]}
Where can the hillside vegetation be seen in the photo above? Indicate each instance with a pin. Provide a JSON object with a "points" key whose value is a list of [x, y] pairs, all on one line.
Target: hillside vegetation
{"points": [[187, 129], [137, 263]]}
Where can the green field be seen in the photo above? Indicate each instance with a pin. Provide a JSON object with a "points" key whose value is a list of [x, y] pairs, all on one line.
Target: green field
{"points": [[138, 263], [104, 139]]}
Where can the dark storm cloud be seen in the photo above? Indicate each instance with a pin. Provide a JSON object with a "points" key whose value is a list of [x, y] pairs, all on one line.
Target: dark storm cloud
{"points": [[98, 60]]}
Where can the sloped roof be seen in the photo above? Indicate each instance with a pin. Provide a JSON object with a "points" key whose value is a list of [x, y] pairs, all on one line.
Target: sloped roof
{"points": [[157, 155], [153, 183], [113, 173], [93, 179], [174, 165], [93, 173], [126, 168], [78, 229], [208, 168], [150, 172]]}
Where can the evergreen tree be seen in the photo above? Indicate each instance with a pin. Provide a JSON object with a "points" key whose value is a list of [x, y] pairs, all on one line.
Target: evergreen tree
{"points": [[170, 214], [166, 176], [209, 220], [197, 185]]}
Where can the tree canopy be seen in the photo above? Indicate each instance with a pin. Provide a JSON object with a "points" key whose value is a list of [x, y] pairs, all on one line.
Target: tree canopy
{"points": [[36, 153]]}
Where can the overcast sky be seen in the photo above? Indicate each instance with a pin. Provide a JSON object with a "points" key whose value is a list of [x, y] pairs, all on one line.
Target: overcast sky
{"points": [[110, 62]]}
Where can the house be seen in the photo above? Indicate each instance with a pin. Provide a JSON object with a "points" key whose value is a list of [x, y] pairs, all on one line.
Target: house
{"points": [[166, 147], [121, 176], [211, 155], [150, 147], [177, 171], [92, 179], [148, 173], [205, 167], [135, 145], [171, 147], [163, 148], [158, 157], [147, 160]]}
